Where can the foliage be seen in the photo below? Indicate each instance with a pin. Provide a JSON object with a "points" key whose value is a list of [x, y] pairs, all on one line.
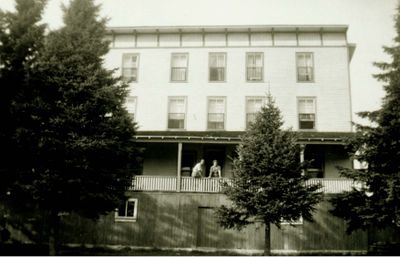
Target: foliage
{"points": [[267, 183], [21, 38], [74, 138], [376, 201]]}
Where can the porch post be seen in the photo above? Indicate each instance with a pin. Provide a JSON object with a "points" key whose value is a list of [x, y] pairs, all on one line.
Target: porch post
{"points": [[178, 168], [302, 148]]}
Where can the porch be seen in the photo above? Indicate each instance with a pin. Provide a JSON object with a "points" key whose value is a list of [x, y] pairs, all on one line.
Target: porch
{"points": [[213, 185]]}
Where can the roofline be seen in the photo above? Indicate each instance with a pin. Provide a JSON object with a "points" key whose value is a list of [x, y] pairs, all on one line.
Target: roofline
{"points": [[234, 137], [228, 28]]}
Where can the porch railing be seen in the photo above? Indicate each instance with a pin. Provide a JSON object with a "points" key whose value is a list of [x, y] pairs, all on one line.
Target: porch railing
{"points": [[213, 185], [154, 183]]}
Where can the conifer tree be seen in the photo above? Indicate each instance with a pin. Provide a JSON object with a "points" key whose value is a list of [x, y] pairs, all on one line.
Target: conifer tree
{"points": [[21, 39], [78, 140], [267, 183], [376, 202]]}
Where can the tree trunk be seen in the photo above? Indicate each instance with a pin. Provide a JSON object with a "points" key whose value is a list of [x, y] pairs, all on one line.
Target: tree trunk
{"points": [[267, 239], [53, 233]]}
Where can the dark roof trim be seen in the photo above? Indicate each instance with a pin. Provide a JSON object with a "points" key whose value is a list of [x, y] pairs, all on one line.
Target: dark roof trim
{"points": [[233, 137], [227, 28]]}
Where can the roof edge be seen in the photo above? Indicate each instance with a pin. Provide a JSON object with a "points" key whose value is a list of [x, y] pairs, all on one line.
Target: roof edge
{"points": [[229, 28]]}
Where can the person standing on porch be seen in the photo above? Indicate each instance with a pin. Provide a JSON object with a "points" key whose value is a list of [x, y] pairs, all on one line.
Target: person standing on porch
{"points": [[197, 169], [215, 170]]}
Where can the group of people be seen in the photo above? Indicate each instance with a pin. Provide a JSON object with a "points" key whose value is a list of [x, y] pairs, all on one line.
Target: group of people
{"points": [[198, 170]]}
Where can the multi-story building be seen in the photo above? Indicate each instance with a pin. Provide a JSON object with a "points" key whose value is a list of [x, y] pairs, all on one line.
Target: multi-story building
{"points": [[194, 90]]}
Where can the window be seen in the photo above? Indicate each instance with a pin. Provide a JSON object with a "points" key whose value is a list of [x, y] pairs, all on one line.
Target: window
{"points": [[217, 62], [179, 65], [130, 64], [127, 211], [255, 66], [176, 112], [253, 106], [131, 106], [216, 113], [305, 67], [306, 109]]}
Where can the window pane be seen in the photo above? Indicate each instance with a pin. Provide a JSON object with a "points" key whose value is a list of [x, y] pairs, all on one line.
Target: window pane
{"points": [[122, 209], [131, 104], [306, 124], [254, 105], [129, 67], [217, 60], [254, 66], [129, 61], [305, 66], [216, 106], [176, 113], [178, 74], [306, 106], [250, 118], [179, 60], [306, 113], [217, 74], [217, 67], [176, 121], [216, 113], [130, 209], [177, 105]]}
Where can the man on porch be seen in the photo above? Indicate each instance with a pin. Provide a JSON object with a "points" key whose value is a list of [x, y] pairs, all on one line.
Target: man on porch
{"points": [[197, 169]]}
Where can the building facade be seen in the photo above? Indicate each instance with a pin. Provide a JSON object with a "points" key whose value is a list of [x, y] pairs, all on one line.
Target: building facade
{"points": [[194, 91]]}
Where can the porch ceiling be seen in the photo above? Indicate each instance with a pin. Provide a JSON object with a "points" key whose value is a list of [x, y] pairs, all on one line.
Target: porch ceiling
{"points": [[233, 137]]}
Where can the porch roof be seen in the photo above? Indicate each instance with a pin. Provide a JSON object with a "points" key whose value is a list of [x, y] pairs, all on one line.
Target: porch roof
{"points": [[233, 137]]}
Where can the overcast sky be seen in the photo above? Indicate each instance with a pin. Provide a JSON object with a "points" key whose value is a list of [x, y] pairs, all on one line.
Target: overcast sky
{"points": [[370, 25]]}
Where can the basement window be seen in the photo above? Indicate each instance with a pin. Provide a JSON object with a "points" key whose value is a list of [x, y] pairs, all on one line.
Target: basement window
{"points": [[127, 211]]}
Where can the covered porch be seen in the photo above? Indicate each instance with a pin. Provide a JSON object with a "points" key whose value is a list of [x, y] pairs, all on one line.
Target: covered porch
{"points": [[169, 158]]}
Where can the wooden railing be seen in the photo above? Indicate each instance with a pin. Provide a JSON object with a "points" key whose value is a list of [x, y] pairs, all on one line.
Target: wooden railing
{"points": [[189, 184], [213, 185], [332, 185], [154, 183]]}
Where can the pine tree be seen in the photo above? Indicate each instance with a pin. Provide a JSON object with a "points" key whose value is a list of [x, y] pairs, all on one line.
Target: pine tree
{"points": [[78, 140], [376, 202], [21, 39], [267, 183]]}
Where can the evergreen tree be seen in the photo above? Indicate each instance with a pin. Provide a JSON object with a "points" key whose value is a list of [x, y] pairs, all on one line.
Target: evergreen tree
{"points": [[77, 141], [267, 183], [21, 38], [376, 203]]}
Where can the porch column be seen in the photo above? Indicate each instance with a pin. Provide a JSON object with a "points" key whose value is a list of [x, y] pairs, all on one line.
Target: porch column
{"points": [[302, 148], [178, 168]]}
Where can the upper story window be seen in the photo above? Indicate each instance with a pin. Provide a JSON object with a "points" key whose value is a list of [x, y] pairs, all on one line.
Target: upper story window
{"points": [[253, 106], [127, 211], [130, 64], [306, 109], [255, 66], [305, 67], [216, 113], [131, 106], [176, 112], [217, 65], [179, 66]]}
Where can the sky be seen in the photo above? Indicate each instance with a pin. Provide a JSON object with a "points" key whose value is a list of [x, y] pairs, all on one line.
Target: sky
{"points": [[370, 22]]}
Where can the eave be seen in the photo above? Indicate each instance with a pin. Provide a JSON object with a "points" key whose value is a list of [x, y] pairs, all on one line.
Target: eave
{"points": [[233, 137]]}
